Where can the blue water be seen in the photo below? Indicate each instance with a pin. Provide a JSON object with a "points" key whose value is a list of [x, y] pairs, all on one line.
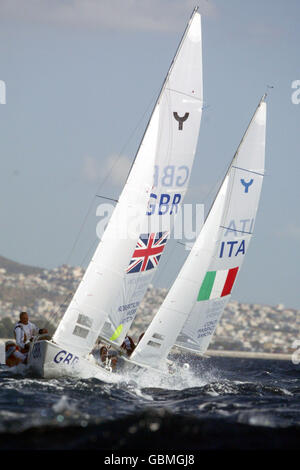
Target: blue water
{"points": [[219, 403]]}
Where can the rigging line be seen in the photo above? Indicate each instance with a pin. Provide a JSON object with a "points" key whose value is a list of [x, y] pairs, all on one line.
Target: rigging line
{"points": [[165, 83], [249, 171], [156, 102], [235, 230], [186, 245], [90, 207], [167, 261], [156, 277], [262, 100], [60, 306], [108, 198], [92, 246], [185, 94], [135, 288], [70, 294], [214, 186], [106, 178]]}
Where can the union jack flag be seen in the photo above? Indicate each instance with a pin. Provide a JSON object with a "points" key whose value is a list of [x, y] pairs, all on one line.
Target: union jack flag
{"points": [[147, 252]]}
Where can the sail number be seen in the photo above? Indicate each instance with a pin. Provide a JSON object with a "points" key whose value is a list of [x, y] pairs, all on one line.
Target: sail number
{"points": [[169, 176], [165, 204], [232, 248]]}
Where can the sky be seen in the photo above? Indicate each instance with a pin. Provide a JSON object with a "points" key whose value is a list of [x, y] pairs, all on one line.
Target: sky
{"points": [[78, 80]]}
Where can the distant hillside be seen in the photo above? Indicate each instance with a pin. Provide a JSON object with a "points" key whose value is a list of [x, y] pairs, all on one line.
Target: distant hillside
{"points": [[46, 293], [12, 267]]}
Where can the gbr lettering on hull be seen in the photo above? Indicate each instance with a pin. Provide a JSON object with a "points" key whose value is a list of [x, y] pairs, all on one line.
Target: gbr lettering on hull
{"points": [[64, 357]]}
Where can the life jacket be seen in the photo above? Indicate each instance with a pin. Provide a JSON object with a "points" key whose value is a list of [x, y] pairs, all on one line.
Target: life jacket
{"points": [[128, 345], [20, 325]]}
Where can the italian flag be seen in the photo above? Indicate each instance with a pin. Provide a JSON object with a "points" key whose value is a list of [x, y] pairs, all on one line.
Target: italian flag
{"points": [[217, 284]]}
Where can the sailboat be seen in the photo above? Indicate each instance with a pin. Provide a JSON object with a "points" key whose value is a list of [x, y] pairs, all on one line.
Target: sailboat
{"points": [[192, 309], [128, 255]]}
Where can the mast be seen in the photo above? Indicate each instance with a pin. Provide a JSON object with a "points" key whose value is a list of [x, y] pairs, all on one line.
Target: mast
{"points": [[262, 100], [165, 81]]}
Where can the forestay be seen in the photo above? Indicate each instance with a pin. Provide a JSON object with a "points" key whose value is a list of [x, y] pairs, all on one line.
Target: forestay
{"points": [[104, 277], [180, 109], [128, 254], [192, 309]]}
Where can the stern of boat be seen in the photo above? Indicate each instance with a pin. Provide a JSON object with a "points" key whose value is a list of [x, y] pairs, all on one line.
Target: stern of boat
{"points": [[36, 357], [47, 359]]}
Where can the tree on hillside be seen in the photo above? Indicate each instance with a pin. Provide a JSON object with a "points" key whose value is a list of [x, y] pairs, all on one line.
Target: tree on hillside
{"points": [[6, 328]]}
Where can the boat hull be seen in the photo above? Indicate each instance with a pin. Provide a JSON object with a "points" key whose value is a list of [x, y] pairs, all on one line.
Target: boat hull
{"points": [[49, 360]]}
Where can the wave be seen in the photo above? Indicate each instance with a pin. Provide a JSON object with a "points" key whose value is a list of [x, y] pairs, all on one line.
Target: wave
{"points": [[211, 404]]}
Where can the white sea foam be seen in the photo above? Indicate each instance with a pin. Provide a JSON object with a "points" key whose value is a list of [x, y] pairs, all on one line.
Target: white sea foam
{"points": [[196, 375], [64, 404]]}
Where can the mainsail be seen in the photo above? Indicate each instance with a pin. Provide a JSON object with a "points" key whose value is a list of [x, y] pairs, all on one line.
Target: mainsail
{"points": [[191, 311], [127, 256], [180, 108]]}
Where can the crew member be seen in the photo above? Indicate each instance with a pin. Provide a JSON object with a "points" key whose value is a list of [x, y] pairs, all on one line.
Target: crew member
{"points": [[140, 337], [107, 355], [25, 332], [13, 355], [128, 345]]}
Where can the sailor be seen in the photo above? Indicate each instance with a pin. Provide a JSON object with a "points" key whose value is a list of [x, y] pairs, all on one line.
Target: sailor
{"points": [[13, 355], [108, 356], [25, 331], [128, 345], [140, 337]]}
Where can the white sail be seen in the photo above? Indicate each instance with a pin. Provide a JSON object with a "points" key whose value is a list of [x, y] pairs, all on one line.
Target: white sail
{"points": [[115, 281], [91, 304], [194, 304], [180, 109]]}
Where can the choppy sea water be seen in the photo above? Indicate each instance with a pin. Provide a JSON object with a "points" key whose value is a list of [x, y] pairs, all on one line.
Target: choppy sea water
{"points": [[218, 403]]}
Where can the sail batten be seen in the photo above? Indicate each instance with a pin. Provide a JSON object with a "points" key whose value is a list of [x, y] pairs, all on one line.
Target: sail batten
{"points": [[248, 170]]}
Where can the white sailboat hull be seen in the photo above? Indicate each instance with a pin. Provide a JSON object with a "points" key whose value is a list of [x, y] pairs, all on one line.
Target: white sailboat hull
{"points": [[50, 360]]}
